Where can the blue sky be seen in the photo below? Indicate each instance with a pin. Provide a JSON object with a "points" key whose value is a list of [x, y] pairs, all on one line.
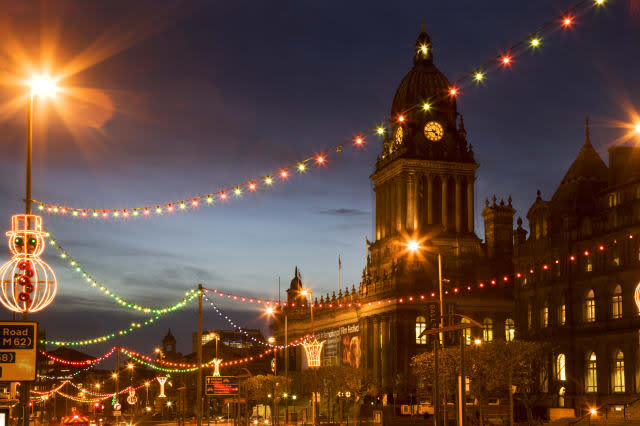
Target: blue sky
{"points": [[196, 96]]}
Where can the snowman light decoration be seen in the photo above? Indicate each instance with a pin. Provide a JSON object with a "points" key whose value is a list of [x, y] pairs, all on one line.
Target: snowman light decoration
{"points": [[27, 284]]}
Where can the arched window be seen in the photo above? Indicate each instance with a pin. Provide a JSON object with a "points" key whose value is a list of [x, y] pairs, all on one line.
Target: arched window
{"points": [[466, 331], [544, 316], [561, 393], [421, 325], [616, 303], [590, 307], [509, 330], [618, 372], [487, 330], [561, 367], [562, 313], [591, 382]]}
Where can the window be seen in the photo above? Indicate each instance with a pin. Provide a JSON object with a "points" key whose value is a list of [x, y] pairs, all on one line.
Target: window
{"points": [[618, 372], [544, 316], [616, 303], [561, 371], [529, 317], [588, 266], [562, 313], [545, 227], [466, 332], [561, 393], [421, 325], [590, 307], [591, 381], [614, 199], [615, 257], [509, 330], [538, 230], [487, 330]]}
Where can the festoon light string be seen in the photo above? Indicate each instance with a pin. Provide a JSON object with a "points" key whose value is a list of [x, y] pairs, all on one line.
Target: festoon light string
{"points": [[123, 332], [477, 75], [93, 283]]}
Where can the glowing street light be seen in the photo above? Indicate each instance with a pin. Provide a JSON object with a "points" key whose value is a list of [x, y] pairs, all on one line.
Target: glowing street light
{"points": [[43, 85], [271, 340], [269, 310], [477, 342], [637, 128], [413, 246]]}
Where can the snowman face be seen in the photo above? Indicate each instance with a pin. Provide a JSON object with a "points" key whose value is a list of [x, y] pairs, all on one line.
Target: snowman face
{"points": [[27, 243], [26, 237]]}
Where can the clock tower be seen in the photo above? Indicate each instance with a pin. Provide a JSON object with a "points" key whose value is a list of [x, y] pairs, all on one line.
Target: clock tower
{"points": [[424, 180]]}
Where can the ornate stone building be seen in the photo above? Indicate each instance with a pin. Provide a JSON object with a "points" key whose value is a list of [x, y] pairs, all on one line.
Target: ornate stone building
{"points": [[584, 254], [424, 196]]}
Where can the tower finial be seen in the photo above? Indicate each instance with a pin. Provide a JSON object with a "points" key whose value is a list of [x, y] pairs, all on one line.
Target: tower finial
{"points": [[586, 130], [422, 27]]}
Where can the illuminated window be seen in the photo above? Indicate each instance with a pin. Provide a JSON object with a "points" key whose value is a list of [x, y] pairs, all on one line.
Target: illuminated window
{"points": [[616, 303], [618, 372], [590, 307], [591, 382], [562, 314], [545, 227], [588, 265], [614, 199], [509, 330], [529, 317], [615, 257], [466, 332], [421, 325], [561, 367], [561, 393], [544, 316], [487, 330], [538, 233]]}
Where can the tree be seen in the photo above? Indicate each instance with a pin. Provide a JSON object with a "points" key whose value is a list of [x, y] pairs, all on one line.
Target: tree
{"points": [[334, 379], [266, 389]]}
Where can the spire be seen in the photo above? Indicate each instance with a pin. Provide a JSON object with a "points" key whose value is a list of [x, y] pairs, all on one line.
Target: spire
{"points": [[423, 47], [587, 139]]}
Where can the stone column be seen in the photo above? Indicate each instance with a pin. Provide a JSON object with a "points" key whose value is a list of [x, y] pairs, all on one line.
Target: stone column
{"points": [[445, 218], [385, 348], [378, 192], [470, 204], [376, 349], [412, 202], [430, 199], [400, 205], [458, 204]]}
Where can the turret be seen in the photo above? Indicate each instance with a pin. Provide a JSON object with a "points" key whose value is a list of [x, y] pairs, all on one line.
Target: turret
{"points": [[498, 228]]}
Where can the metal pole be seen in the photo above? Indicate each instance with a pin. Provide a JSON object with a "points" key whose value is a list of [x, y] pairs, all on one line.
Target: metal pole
{"points": [[463, 382], [27, 198], [436, 382], [286, 367], [199, 379], [314, 407]]}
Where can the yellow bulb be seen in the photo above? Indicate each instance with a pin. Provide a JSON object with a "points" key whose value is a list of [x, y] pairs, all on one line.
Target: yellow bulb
{"points": [[478, 76], [268, 181], [135, 213], [209, 200], [183, 206], [424, 49], [301, 167], [237, 191], [380, 130], [599, 2], [426, 106], [158, 210], [535, 42]]}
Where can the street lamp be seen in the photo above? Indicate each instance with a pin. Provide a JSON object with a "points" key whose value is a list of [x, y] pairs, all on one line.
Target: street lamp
{"points": [[477, 342]]}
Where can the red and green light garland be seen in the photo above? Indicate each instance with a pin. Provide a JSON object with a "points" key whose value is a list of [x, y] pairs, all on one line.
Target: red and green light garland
{"points": [[504, 60]]}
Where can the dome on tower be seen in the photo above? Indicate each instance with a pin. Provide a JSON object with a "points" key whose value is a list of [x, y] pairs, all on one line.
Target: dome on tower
{"points": [[423, 82]]}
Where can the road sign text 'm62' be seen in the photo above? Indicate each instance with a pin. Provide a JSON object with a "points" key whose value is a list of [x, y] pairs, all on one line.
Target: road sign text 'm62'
{"points": [[18, 351]]}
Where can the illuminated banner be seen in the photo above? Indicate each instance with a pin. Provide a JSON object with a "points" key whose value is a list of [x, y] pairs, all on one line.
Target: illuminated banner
{"points": [[220, 385], [343, 346]]}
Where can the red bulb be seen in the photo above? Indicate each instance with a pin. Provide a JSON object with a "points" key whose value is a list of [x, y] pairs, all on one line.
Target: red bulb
{"points": [[359, 141], [506, 60], [223, 196], [320, 159], [567, 21], [252, 186], [284, 174], [401, 118], [453, 91]]}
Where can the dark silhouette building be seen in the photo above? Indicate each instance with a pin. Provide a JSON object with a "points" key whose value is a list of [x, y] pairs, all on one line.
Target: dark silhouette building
{"points": [[582, 264]]}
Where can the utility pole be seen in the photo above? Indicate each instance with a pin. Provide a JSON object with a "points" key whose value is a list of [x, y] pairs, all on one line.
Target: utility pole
{"points": [[199, 379], [462, 383], [286, 368]]}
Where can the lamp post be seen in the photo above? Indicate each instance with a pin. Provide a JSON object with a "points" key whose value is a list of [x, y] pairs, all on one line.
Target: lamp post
{"points": [[38, 86], [306, 292]]}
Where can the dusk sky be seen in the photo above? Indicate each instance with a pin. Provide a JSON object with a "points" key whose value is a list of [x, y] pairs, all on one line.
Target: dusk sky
{"points": [[176, 99]]}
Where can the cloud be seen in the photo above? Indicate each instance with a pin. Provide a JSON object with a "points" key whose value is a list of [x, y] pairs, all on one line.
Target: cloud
{"points": [[344, 212]]}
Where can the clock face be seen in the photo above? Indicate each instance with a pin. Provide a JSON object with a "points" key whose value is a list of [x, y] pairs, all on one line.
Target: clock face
{"points": [[433, 131], [397, 137]]}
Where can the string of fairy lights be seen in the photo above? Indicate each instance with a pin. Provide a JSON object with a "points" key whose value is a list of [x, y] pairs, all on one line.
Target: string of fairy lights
{"points": [[243, 331], [505, 60], [93, 283], [94, 340]]}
